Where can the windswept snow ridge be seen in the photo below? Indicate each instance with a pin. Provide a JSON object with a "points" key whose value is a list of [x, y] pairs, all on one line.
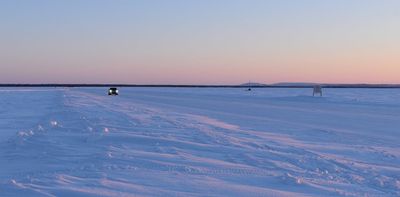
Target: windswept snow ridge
{"points": [[199, 142]]}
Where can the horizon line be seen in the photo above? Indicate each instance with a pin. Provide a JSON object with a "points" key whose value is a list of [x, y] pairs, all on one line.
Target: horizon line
{"points": [[245, 85]]}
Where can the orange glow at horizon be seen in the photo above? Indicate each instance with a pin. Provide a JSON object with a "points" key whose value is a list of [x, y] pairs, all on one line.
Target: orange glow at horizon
{"points": [[200, 42]]}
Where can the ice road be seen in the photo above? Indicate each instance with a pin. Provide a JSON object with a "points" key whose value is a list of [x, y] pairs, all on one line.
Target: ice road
{"points": [[199, 142]]}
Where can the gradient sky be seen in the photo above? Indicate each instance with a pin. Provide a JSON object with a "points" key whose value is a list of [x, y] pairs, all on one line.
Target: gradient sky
{"points": [[199, 41]]}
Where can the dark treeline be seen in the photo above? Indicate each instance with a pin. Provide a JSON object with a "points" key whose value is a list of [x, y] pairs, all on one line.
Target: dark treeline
{"points": [[208, 86]]}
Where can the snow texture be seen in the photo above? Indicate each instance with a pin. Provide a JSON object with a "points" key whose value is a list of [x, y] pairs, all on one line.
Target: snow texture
{"points": [[199, 142]]}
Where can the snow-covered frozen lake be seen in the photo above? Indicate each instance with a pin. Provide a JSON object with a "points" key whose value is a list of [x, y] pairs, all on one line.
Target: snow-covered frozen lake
{"points": [[199, 142]]}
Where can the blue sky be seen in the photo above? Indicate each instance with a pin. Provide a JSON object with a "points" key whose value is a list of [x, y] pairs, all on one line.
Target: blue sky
{"points": [[199, 42]]}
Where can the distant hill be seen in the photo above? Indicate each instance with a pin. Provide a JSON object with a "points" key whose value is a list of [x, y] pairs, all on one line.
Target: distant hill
{"points": [[281, 84], [311, 84], [331, 85], [251, 84], [294, 84]]}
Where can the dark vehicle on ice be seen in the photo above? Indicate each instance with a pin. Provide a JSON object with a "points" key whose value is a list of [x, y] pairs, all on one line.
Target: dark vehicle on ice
{"points": [[113, 92]]}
